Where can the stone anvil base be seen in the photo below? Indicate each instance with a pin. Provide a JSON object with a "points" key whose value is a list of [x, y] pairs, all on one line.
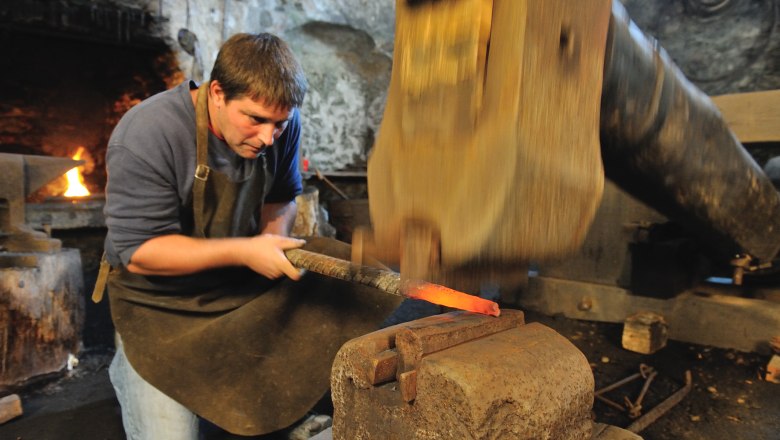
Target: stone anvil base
{"points": [[41, 313], [462, 376]]}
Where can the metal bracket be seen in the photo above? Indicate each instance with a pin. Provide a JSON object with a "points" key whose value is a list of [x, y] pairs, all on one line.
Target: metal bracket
{"points": [[202, 172], [746, 263]]}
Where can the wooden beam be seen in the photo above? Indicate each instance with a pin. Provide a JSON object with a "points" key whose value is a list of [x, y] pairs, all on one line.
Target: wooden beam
{"points": [[754, 116], [10, 408], [695, 316]]}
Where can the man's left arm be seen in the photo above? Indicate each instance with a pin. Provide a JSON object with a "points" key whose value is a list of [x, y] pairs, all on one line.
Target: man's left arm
{"points": [[278, 218]]}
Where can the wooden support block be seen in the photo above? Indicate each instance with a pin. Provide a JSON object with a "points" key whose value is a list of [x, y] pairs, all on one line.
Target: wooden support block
{"points": [[773, 370], [10, 408], [753, 117], [645, 332]]}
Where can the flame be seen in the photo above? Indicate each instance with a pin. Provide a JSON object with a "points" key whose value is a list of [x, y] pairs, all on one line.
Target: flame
{"points": [[451, 298], [76, 186]]}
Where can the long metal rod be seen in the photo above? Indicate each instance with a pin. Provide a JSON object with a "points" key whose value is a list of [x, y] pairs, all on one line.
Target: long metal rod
{"points": [[385, 280], [635, 407], [389, 282], [610, 402], [330, 184], [644, 370]]}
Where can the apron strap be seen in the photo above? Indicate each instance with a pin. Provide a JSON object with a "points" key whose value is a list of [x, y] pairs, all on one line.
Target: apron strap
{"points": [[201, 170], [100, 284]]}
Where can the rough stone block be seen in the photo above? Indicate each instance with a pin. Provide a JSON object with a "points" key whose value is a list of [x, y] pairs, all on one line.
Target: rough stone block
{"points": [[524, 382], [41, 316]]}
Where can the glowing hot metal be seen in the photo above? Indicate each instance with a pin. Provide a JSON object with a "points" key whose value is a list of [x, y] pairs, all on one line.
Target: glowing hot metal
{"points": [[390, 282], [445, 296]]}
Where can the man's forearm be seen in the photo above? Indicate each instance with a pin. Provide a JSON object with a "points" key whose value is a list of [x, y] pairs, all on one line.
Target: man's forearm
{"points": [[181, 255], [278, 218]]}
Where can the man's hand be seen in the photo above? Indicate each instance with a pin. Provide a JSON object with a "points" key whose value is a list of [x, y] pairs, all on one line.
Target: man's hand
{"points": [[264, 254]]}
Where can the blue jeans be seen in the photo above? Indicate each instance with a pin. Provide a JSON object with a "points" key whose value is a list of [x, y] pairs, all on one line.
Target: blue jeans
{"points": [[147, 413]]}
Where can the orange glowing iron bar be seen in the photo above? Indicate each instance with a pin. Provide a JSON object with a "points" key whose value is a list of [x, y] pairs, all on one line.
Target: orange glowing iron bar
{"points": [[390, 282], [445, 296]]}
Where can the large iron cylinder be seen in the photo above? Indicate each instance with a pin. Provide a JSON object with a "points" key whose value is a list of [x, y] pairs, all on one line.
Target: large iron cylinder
{"points": [[665, 142]]}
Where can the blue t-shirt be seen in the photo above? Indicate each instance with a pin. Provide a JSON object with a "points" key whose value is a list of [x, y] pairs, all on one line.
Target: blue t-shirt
{"points": [[151, 160]]}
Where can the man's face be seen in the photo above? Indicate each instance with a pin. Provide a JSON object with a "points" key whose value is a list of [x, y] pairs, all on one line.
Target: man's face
{"points": [[248, 126]]}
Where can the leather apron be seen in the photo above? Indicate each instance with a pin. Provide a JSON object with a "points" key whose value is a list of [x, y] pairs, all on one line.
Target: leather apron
{"points": [[250, 354]]}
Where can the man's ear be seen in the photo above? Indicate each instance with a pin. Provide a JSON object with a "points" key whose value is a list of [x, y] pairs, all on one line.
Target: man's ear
{"points": [[216, 94]]}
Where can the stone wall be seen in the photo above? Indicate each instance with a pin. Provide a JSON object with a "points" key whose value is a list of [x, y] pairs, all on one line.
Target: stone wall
{"points": [[723, 46]]}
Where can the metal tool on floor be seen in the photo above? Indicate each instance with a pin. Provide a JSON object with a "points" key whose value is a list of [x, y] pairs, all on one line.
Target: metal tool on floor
{"points": [[662, 408], [634, 408], [645, 372]]}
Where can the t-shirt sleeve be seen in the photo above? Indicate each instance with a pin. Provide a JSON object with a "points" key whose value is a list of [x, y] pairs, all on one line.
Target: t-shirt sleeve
{"points": [[285, 164], [141, 203]]}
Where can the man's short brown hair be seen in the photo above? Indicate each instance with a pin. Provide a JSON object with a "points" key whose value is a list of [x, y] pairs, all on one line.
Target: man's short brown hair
{"points": [[260, 67]]}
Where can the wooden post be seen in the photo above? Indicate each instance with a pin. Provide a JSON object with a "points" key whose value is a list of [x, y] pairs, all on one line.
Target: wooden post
{"points": [[753, 117], [645, 332], [10, 408], [773, 369]]}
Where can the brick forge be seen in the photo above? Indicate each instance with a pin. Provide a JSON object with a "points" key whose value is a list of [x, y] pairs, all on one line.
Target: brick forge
{"points": [[462, 375]]}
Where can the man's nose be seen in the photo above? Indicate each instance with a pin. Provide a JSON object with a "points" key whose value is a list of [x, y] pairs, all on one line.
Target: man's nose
{"points": [[266, 134]]}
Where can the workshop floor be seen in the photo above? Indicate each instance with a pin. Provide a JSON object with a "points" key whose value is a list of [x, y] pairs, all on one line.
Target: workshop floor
{"points": [[729, 399]]}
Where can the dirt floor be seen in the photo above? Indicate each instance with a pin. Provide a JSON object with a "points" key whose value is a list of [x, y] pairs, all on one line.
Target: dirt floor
{"points": [[729, 399]]}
